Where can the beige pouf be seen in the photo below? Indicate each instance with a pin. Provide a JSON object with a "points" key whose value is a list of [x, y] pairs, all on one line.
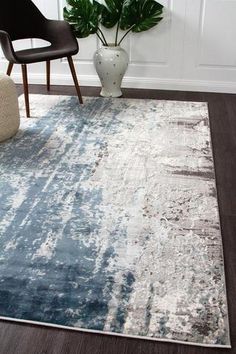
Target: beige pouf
{"points": [[9, 109]]}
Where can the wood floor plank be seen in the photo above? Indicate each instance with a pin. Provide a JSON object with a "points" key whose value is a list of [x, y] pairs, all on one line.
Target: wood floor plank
{"points": [[27, 339]]}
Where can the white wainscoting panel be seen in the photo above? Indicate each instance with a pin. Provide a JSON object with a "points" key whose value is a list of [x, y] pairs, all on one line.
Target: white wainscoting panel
{"points": [[210, 50], [193, 48]]}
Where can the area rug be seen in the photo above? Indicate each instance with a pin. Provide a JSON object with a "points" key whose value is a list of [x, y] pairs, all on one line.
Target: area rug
{"points": [[109, 220]]}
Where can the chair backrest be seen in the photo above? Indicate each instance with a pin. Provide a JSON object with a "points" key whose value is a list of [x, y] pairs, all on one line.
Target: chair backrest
{"points": [[21, 19]]}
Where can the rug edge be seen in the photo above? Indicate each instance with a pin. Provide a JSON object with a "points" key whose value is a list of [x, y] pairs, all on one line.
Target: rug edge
{"points": [[220, 224], [21, 96], [84, 330], [65, 97]]}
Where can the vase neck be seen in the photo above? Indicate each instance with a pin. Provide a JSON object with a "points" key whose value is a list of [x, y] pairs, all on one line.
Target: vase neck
{"points": [[111, 46]]}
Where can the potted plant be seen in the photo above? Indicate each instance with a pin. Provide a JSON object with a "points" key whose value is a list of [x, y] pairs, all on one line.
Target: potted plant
{"points": [[90, 16]]}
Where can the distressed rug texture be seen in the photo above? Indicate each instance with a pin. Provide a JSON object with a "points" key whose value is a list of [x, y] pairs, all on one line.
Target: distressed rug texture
{"points": [[109, 220]]}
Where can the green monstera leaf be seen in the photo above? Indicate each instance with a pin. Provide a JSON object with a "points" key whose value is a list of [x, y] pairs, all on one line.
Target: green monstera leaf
{"points": [[110, 12], [83, 15], [140, 15], [86, 16]]}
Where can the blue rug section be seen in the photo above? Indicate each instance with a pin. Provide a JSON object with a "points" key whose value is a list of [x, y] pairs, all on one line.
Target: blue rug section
{"points": [[52, 290]]}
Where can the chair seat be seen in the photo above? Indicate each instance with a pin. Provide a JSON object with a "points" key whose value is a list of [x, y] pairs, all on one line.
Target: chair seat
{"points": [[34, 55]]}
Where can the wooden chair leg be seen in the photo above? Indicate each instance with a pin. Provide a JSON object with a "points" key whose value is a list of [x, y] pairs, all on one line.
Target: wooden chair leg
{"points": [[72, 69], [48, 74], [26, 88], [9, 69]]}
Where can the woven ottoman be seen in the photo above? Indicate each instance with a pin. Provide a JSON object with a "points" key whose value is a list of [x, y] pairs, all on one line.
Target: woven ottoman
{"points": [[9, 109]]}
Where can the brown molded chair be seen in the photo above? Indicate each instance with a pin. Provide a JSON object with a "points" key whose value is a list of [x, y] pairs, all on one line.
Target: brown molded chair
{"points": [[21, 19]]}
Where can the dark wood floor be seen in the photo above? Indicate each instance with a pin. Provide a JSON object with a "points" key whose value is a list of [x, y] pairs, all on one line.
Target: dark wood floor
{"points": [[26, 339]]}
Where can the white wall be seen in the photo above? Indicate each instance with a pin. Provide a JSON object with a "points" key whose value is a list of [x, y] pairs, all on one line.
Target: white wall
{"points": [[193, 48]]}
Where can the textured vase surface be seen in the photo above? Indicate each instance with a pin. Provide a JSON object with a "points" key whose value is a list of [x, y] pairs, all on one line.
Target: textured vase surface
{"points": [[111, 63]]}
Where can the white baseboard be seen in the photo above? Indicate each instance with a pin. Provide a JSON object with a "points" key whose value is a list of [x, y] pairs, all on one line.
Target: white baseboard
{"points": [[138, 82]]}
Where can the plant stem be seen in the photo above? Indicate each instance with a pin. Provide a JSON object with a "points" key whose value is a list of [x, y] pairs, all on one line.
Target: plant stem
{"points": [[104, 39], [101, 39], [117, 30], [125, 34]]}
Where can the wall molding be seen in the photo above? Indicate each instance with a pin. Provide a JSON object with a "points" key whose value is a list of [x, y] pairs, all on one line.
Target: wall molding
{"points": [[138, 82]]}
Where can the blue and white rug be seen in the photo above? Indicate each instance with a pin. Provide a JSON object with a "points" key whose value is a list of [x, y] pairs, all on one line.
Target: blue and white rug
{"points": [[109, 220]]}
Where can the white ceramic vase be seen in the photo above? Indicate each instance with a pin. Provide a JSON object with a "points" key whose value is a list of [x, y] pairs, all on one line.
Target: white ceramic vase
{"points": [[111, 63]]}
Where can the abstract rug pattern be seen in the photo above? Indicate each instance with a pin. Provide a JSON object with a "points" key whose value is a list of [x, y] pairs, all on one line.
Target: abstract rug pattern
{"points": [[109, 220]]}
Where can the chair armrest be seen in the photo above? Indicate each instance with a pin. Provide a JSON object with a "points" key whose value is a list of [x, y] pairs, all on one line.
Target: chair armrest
{"points": [[7, 47]]}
